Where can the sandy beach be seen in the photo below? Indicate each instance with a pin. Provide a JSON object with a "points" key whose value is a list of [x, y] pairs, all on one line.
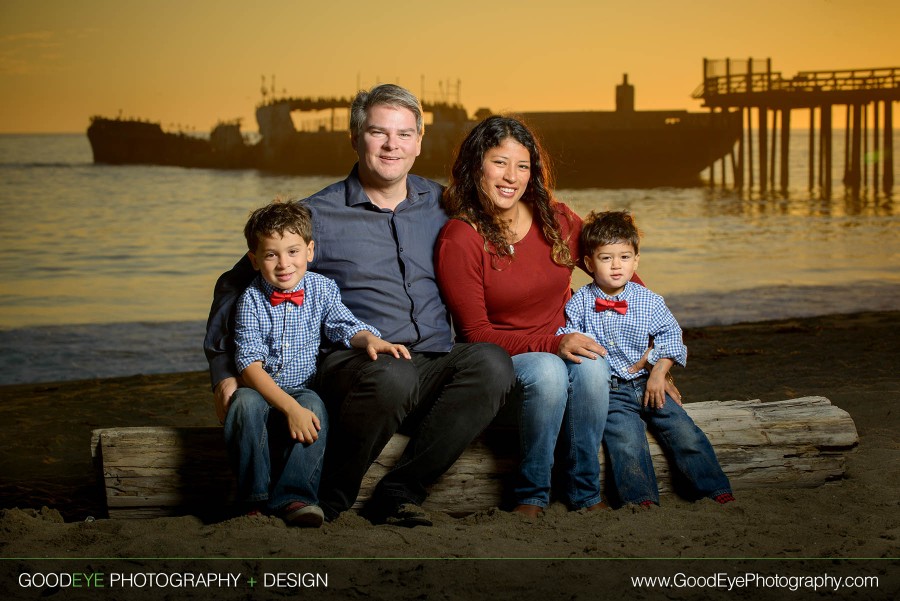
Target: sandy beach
{"points": [[52, 507]]}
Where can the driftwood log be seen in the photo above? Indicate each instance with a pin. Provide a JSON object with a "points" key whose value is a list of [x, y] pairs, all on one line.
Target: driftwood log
{"points": [[158, 471]]}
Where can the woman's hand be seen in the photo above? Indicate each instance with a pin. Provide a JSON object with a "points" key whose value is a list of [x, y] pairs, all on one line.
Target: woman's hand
{"points": [[574, 346]]}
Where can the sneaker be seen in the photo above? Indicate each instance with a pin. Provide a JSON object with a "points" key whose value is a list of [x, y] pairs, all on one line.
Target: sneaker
{"points": [[302, 515]]}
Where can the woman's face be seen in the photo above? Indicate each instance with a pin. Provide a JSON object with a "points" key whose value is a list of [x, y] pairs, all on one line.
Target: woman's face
{"points": [[505, 172]]}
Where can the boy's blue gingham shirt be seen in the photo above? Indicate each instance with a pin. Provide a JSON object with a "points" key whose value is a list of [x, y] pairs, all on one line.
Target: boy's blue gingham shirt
{"points": [[285, 338], [626, 337]]}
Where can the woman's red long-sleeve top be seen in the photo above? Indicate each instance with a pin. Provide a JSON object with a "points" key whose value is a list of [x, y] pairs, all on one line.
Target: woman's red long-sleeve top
{"points": [[517, 303]]}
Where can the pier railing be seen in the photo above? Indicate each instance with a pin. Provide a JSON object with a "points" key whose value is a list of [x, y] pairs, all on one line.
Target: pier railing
{"points": [[804, 81], [853, 79]]}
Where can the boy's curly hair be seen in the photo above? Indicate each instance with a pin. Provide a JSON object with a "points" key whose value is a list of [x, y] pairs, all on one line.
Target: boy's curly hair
{"points": [[609, 227], [279, 216]]}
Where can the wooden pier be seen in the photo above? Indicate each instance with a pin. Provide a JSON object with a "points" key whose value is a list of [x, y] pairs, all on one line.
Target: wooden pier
{"points": [[867, 94]]}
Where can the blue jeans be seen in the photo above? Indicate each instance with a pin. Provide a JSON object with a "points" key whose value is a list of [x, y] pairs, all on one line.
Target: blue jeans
{"points": [[271, 466], [683, 442], [562, 402]]}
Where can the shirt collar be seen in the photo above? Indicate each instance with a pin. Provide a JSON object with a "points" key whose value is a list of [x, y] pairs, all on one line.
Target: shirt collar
{"points": [[356, 195], [268, 288], [624, 295]]}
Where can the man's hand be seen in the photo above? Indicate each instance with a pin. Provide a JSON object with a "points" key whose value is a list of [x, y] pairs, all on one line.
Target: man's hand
{"points": [[225, 389], [575, 346]]}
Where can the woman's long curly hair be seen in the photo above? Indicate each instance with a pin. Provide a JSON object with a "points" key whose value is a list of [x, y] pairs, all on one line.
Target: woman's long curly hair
{"points": [[465, 199]]}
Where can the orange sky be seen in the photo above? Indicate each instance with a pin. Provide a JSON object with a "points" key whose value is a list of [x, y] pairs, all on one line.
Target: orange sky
{"points": [[193, 62]]}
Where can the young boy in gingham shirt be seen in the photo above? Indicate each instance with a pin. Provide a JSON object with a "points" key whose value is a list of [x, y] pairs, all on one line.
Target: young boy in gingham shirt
{"points": [[623, 316], [279, 321]]}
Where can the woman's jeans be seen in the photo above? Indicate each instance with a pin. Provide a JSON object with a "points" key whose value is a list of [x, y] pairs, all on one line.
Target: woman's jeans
{"points": [[563, 403], [686, 446], [269, 464]]}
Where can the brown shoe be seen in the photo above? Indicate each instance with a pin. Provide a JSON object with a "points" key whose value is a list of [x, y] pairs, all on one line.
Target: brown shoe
{"points": [[529, 511], [409, 515]]}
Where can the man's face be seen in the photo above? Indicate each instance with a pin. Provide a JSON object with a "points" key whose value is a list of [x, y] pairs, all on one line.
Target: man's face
{"points": [[387, 146]]}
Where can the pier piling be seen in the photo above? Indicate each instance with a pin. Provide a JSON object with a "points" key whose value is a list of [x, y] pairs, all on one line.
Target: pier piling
{"points": [[825, 160], [754, 86], [888, 156]]}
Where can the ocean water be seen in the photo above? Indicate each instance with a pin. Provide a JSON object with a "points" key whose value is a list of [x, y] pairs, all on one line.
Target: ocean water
{"points": [[109, 270]]}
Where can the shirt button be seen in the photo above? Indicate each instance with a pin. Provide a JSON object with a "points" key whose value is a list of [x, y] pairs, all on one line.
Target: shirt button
{"points": [[401, 249], [408, 285]]}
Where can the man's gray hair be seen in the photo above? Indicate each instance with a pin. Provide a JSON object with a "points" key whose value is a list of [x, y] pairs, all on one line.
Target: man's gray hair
{"points": [[389, 94]]}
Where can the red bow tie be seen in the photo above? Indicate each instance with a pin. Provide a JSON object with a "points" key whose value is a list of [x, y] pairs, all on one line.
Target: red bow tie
{"points": [[279, 297], [617, 306]]}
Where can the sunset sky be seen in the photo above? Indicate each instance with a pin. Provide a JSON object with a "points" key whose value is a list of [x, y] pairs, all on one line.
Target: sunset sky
{"points": [[192, 62]]}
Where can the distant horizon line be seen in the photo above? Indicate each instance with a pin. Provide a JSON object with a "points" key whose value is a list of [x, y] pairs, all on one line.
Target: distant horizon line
{"points": [[84, 132]]}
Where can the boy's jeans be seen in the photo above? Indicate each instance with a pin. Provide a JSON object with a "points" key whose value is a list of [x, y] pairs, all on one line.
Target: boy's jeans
{"points": [[565, 401], [269, 464], [683, 442]]}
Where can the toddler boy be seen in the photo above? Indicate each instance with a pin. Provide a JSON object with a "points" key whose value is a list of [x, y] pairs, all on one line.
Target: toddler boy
{"points": [[623, 316]]}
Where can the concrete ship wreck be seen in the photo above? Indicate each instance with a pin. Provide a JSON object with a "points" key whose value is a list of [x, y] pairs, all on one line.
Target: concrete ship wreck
{"points": [[308, 136]]}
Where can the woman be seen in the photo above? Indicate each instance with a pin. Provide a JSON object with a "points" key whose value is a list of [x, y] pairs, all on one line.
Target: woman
{"points": [[504, 264]]}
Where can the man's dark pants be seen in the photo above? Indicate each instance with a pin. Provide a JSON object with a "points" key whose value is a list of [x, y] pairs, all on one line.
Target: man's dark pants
{"points": [[441, 400]]}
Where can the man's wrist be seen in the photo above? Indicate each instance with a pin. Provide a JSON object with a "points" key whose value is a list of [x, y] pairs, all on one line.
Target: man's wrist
{"points": [[221, 367]]}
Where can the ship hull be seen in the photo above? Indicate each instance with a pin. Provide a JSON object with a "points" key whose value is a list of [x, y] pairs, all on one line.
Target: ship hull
{"points": [[131, 142], [587, 149], [639, 149]]}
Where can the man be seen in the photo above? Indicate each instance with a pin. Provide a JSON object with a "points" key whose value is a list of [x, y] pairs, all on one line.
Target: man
{"points": [[375, 233]]}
